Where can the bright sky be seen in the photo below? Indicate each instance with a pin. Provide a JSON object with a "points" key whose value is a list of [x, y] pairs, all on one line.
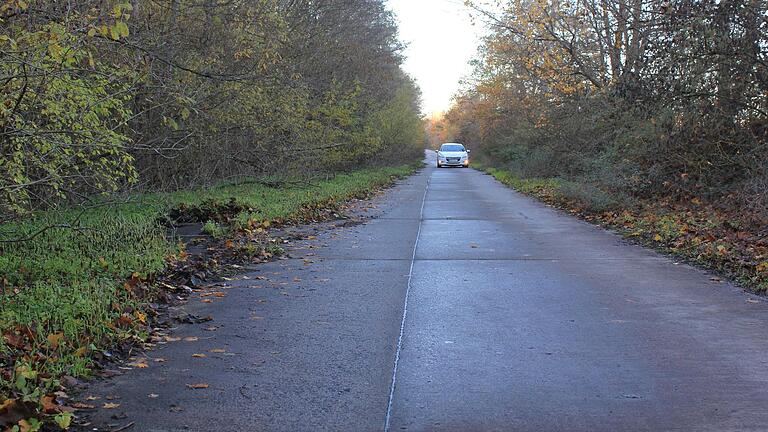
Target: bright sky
{"points": [[441, 41]]}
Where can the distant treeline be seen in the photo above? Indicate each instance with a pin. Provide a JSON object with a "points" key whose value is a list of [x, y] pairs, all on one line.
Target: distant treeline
{"points": [[644, 99], [101, 96]]}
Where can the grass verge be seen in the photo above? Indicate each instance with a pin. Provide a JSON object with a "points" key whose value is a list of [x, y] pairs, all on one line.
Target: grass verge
{"points": [[693, 231], [69, 289]]}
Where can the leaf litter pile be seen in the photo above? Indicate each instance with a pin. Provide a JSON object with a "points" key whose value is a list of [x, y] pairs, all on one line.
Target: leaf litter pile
{"points": [[77, 303], [734, 244]]}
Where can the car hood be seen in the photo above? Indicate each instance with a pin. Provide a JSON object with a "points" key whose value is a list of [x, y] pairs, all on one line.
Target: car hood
{"points": [[453, 154]]}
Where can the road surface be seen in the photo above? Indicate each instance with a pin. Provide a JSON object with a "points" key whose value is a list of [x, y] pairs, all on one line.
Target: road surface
{"points": [[489, 310]]}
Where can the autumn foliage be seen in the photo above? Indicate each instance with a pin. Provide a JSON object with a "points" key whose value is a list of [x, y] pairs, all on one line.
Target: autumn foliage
{"points": [[655, 108], [103, 97]]}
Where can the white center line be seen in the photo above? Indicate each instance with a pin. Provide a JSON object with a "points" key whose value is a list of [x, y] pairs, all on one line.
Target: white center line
{"points": [[405, 311]]}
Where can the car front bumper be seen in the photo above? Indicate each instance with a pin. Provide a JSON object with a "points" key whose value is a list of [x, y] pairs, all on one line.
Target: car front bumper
{"points": [[455, 163]]}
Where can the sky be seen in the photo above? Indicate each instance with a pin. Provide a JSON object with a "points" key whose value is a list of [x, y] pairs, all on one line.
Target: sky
{"points": [[441, 41]]}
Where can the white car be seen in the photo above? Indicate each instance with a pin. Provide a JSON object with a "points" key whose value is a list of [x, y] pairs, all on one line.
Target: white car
{"points": [[452, 154]]}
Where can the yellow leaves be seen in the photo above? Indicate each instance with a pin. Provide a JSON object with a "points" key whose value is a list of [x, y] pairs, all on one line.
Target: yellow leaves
{"points": [[657, 238], [110, 405], [139, 364], [55, 339], [119, 30], [121, 11], [140, 316]]}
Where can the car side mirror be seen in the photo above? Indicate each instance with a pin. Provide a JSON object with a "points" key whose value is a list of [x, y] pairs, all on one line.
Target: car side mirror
{"points": [[468, 150]]}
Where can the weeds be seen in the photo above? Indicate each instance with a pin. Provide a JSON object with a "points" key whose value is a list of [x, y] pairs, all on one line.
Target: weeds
{"points": [[695, 232]]}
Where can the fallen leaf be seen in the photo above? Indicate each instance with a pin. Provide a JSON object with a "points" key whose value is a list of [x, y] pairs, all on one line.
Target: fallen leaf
{"points": [[125, 320], [110, 405], [82, 406], [218, 350], [191, 339], [55, 339], [49, 405], [198, 386], [25, 426], [142, 317], [153, 396], [14, 340], [199, 355]]}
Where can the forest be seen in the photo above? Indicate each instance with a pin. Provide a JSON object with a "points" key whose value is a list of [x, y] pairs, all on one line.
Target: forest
{"points": [[649, 116], [108, 96], [120, 120]]}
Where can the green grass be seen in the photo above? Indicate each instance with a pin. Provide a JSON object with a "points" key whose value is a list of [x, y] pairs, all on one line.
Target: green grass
{"points": [[63, 290]]}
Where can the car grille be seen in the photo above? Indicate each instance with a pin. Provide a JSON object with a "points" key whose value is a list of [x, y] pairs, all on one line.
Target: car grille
{"points": [[452, 159]]}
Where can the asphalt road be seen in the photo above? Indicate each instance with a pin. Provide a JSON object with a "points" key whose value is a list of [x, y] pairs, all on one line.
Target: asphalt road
{"points": [[517, 318]]}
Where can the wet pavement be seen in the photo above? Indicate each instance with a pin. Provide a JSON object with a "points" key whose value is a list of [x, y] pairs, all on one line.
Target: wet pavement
{"points": [[503, 315]]}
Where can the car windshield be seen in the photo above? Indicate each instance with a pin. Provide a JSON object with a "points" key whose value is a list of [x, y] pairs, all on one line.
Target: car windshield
{"points": [[452, 148]]}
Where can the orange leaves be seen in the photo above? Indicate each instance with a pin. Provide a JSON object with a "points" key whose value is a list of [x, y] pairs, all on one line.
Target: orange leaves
{"points": [[131, 283], [55, 339], [140, 316], [125, 320], [48, 404]]}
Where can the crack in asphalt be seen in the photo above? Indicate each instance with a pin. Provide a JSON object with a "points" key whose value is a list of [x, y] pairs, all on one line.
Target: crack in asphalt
{"points": [[405, 314]]}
